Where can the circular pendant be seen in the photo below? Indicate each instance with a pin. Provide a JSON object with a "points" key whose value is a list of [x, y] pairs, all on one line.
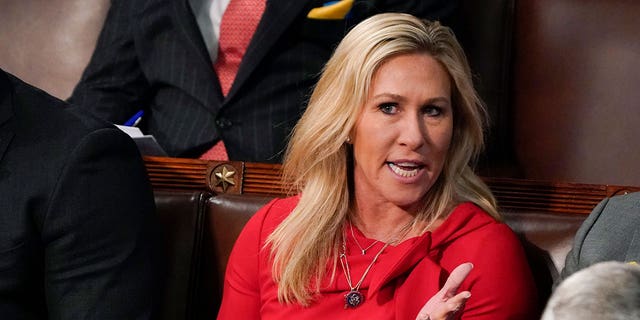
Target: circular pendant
{"points": [[353, 299]]}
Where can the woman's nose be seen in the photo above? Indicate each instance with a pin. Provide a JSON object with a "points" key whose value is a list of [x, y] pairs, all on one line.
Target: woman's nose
{"points": [[412, 132]]}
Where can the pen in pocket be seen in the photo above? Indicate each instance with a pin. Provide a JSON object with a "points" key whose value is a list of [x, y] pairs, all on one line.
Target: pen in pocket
{"points": [[133, 121]]}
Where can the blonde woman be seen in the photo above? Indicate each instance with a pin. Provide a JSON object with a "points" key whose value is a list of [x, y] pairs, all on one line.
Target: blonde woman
{"points": [[387, 204]]}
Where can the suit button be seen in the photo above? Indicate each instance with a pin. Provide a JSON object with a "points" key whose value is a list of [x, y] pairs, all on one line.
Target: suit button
{"points": [[224, 123]]}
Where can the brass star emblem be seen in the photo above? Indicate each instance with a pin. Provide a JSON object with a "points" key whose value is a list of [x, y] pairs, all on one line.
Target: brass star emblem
{"points": [[225, 178]]}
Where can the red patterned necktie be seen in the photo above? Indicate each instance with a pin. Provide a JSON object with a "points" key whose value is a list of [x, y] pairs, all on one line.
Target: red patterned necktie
{"points": [[239, 22]]}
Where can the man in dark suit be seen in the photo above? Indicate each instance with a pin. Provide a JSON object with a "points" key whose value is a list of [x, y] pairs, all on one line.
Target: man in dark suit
{"points": [[77, 222], [151, 55]]}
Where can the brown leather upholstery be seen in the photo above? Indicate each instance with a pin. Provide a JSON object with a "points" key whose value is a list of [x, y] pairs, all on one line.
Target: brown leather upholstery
{"points": [[576, 105], [226, 216], [182, 216], [546, 238], [48, 43]]}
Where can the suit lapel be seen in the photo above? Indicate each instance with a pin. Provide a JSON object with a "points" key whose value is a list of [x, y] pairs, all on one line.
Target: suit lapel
{"points": [[277, 18], [6, 113], [188, 26]]}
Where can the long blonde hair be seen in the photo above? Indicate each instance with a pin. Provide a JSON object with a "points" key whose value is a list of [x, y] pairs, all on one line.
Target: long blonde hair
{"points": [[317, 159]]}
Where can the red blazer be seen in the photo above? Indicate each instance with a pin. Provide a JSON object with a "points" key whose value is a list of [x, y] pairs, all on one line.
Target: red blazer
{"points": [[400, 282]]}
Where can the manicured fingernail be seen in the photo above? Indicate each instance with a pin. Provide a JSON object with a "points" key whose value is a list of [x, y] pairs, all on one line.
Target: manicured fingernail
{"points": [[467, 295]]}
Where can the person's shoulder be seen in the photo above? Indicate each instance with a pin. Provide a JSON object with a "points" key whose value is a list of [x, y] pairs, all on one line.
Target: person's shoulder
{"points": [[472, 226], [44, 127], [621, 209], [269, 216], [286, 204], [629, 201], [276, 210], [43, 122], [473, 216], [50, 113]]}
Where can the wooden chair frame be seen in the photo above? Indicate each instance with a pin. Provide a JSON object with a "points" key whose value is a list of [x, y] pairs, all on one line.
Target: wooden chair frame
{"points": [[235, 177]]}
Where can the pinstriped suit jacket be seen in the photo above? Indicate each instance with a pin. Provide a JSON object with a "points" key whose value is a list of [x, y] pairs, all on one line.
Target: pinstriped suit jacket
{"points": [[611, 232], [150, 55]]}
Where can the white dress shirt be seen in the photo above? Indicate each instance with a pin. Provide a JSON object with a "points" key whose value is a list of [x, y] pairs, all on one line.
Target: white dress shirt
{"points": [[208, 14]]}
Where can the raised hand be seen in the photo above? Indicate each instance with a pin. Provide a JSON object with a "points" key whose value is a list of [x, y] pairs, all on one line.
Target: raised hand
{"points": [[444, 304]]}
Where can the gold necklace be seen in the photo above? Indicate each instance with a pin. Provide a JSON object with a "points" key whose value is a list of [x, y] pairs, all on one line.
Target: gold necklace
{"points": [[364, 251], [354, 297]]}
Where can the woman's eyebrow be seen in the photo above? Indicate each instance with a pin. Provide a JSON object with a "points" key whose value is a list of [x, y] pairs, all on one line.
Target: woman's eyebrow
{"points": [[388, 95], [397, 97]]}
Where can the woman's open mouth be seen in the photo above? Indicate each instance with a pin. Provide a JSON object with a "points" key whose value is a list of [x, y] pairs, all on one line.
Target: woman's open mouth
{"points": [[405, 169]]}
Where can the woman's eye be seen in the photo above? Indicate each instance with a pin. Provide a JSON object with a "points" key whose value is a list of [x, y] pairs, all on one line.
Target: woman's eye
{"points": [[432, 111], [388, 108]]}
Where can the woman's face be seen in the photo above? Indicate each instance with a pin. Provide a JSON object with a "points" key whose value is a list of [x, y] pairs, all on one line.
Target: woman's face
{"points": [[403, 133]]}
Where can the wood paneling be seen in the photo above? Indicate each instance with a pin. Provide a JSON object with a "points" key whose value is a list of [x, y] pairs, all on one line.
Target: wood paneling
{"points": [[265, 179]]}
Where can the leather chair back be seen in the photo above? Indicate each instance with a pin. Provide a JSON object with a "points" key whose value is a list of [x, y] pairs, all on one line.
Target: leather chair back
{"points": [[182, 216], [546, 238], [48, 43], [576, 113], [226, 216]]}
